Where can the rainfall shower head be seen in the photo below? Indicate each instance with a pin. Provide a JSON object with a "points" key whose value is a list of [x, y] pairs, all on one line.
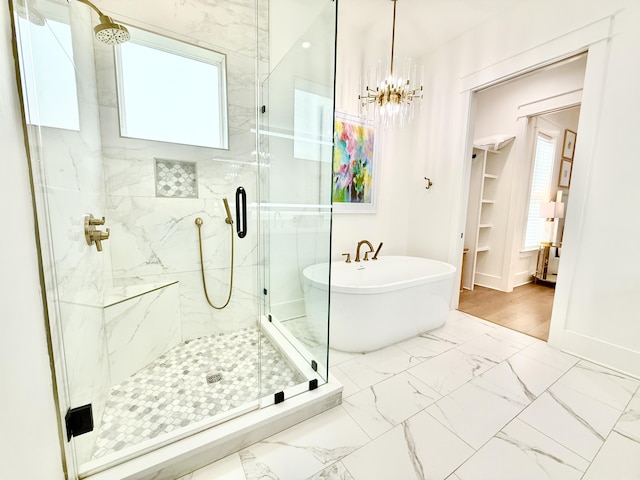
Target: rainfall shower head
{"points": [[27, 9], [107, 31], [110, 32]]}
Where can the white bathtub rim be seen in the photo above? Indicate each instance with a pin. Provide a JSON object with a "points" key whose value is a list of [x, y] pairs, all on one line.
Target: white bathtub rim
{"points": [[380, 288]]}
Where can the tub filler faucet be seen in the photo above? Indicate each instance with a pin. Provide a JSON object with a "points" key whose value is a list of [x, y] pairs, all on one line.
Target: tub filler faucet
{"points": [[366, 254], [375, 255]]}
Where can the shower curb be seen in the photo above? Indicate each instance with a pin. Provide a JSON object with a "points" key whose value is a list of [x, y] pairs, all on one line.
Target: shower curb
{"points": [[194, 452]]}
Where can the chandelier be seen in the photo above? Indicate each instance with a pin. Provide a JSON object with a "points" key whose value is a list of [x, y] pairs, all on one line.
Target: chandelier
{"points": [[392, 98]]}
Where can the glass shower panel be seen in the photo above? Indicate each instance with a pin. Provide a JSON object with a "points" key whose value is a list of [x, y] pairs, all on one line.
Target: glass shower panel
{"points": [[296, 138]]}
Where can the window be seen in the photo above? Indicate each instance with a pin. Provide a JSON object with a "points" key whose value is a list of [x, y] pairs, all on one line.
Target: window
{"points": [[312, 121], [171, 91], [540, 188], [48, 74]]}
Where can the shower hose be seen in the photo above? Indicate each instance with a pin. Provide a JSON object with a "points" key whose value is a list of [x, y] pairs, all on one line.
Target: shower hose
{"points": [[204, 282]]}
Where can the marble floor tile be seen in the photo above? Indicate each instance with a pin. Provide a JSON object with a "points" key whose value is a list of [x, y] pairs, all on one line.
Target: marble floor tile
{"points": [[462, 329], [420, 448], [549, 355], [514, 336], [421, 408], [305, 449], [520, 452], [374, 367], [337, 471], [629, 423], [571, 418], [450, 370], [619, 458], [348, 386], [228, 468], [425, 347], [386, 404], [608, 386], [336, 357], [522, 373], [491, 347], [478, 410]]}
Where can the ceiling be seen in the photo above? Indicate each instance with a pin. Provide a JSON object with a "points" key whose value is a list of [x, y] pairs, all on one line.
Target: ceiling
{"points": [[421, 25]]}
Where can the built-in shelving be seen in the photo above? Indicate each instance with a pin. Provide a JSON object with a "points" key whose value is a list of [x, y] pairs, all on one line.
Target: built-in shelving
{"points": [[480, 212]]}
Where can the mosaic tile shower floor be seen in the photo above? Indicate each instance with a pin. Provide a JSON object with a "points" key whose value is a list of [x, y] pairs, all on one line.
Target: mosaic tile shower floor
{"points": [[173, 391]]}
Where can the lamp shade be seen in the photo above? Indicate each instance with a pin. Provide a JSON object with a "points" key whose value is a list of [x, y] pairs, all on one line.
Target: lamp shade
{"points": [[551, 210]]}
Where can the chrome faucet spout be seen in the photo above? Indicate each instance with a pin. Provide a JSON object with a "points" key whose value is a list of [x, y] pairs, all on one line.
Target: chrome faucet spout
{"points": [[360, 243]]}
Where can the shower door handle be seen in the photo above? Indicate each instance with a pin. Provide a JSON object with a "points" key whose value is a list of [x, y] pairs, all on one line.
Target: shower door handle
{"points": [[241, 212]]}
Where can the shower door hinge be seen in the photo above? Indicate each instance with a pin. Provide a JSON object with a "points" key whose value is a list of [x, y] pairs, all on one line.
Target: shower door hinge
{"points": [[78, 420], [314, 365], [263, 109], [313, 384], [270, 318], [278, 397], [264, 290]]}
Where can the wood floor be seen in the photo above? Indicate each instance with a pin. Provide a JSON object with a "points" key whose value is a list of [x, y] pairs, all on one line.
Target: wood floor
{"points": [[527, 309]]}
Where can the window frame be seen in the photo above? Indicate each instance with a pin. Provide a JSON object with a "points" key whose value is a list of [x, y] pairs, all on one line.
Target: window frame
{"points": [[173, 46]]}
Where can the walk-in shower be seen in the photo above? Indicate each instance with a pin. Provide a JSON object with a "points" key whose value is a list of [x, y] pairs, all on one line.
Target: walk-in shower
{"points": [[148, 130]]}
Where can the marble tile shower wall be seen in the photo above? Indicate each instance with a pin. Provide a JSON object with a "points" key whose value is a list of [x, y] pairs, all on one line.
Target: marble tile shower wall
{"points": [[155, 239]]}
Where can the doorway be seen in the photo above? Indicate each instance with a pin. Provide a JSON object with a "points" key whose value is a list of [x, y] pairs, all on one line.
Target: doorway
{"points": [[508, 241]]}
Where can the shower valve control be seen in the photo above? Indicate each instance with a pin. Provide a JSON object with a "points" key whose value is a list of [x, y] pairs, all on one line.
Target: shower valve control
{"points": [[91, 234]]}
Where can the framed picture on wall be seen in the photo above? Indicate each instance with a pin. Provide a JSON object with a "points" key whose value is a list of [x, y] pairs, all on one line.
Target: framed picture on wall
{"points": [[564, 180], [355, 172], [569, 144]]}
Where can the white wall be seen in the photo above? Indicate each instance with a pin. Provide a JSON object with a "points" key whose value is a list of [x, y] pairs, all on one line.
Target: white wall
{"points": [[398, 184], [29, 446], [595, 302]]}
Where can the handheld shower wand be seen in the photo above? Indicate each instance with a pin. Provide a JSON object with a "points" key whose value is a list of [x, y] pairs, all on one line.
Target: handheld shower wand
{"points": [[228, 220]]}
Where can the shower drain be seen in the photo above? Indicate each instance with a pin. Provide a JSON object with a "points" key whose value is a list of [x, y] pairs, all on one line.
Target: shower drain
{"points": [[214, 377]]}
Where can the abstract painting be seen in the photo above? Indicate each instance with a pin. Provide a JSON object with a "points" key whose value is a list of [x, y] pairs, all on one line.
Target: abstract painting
{"points": [[353, 164]]}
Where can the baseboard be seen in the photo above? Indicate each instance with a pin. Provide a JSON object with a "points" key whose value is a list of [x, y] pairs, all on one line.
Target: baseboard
{"points": [[287, 310], [522, 278], [488, 281], [603, 353]]}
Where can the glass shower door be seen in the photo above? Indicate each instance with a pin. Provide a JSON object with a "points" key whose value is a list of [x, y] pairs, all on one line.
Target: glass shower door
{"points": [[296, 138]]}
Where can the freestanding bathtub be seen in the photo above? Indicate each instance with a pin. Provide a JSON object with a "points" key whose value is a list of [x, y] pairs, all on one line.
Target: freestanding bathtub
{"points": [[378, 303]]}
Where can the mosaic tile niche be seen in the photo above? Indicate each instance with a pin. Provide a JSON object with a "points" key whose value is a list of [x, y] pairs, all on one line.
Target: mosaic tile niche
{"points": [[176, 179]]}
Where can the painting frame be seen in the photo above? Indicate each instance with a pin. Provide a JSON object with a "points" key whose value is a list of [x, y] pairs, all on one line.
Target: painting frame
{"points": [[564, 177], [354, 157], [569, 144]]}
